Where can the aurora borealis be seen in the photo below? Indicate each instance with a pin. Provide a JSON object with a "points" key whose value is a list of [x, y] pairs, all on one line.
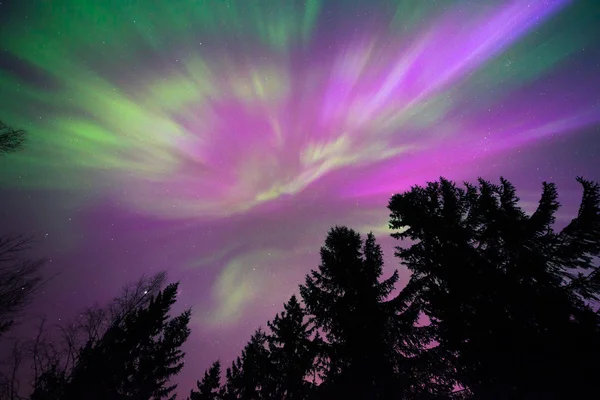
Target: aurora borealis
{"points": [[220, 139]]}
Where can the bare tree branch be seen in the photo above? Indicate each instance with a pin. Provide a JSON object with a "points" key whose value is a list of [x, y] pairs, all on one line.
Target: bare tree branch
{"points": [[11, 139], [10, 384], [58, 350], [20, 278], [136, 295]]}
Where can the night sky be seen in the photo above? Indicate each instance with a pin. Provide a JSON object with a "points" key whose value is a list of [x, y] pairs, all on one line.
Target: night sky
{"points": [[220, 139]]}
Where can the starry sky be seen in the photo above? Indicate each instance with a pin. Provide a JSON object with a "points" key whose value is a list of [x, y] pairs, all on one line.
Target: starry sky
{"points": [[220, 139]]}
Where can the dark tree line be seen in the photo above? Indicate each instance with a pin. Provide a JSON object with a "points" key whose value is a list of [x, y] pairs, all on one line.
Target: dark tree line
{"points": [[129, 349], [510, 300], [499, 305]]}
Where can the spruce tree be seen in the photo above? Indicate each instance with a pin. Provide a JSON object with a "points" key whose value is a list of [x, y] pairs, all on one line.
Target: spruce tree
{"points": [[250, 376], [232, 389], [134, 359], [506, 295], [292, 352], [210, 386], [346, 301]]}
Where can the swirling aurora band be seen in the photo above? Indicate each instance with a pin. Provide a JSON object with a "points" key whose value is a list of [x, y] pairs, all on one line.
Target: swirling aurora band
{"points": [[222, 138]]}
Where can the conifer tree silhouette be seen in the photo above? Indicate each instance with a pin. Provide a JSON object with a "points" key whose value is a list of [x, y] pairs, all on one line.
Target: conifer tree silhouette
{"points": [[250, 376], [292, 352], [210, 386], [232, 389], [346, 301], [508, 297], [134, 359]]}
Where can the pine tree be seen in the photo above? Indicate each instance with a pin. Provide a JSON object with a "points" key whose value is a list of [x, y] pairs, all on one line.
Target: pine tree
{"points": [[250, 376], [292, 351], [210, 386], [134, 359], [506, 295], [346, 300], [232, 390]]}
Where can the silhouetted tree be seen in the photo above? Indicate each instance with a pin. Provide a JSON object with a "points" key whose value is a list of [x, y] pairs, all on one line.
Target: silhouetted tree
{"points": [[50, 385], [210, 386], [11, 139], [507, 297], [133, 359], [20, 278], [232, 389], [52, 358], [292, 352], [346, 300], [250, 376]]}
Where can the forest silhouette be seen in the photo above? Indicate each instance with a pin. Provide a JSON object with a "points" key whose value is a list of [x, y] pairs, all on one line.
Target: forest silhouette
{"points": [[499, 305]]}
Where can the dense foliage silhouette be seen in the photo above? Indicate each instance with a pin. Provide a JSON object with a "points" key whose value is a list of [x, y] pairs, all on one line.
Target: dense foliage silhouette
{"points": [[365, 353], [293, 349], [509, 298], [134, 358], [499, 305]]}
